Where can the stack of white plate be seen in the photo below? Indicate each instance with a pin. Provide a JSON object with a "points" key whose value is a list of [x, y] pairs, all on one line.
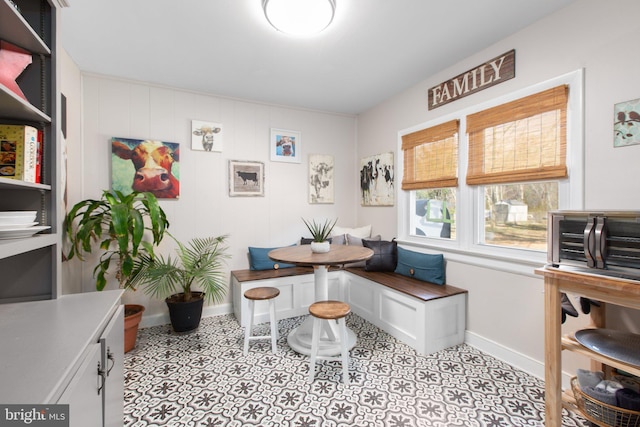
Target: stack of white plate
{"points": [[18, 224]]}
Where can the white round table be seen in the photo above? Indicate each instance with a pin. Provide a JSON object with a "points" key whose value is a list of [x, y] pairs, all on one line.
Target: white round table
{"points": [[299, 338]]}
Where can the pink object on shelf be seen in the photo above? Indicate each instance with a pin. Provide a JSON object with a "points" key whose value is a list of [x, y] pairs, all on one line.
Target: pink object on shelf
{"points": [[13, 61]]}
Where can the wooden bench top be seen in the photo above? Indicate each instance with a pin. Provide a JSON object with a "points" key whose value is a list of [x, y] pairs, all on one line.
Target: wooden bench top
{"points": [[424, 291], [416, 288], [249, 275]]}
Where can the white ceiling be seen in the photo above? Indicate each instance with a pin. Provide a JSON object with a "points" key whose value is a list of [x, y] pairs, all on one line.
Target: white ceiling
{"points": [[373, 50]]}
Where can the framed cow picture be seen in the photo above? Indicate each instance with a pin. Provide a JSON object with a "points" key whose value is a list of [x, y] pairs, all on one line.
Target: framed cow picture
{"points": [[321, 188], [377, 187], [246, 178], [285, 146], [206, 136], [145, 165]]}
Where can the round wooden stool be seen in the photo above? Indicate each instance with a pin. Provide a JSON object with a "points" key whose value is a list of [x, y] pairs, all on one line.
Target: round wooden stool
{"points": [[330, 310], [262, 294]]}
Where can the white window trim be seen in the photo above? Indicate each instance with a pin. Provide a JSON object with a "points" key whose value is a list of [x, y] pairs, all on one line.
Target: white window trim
{"points": [[466, 248]]}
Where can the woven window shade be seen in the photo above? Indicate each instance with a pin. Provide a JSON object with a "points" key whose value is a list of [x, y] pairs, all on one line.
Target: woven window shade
{"points": [[431, 157], [523, 140]]}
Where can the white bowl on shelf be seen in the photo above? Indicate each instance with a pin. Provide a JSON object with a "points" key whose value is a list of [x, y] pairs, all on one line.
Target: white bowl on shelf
{"points": [[17, 213], [17, 217]]}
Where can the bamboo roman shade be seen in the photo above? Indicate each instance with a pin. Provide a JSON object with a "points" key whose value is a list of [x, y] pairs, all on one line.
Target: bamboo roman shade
{"points": [[522, 140], [431, 157]]}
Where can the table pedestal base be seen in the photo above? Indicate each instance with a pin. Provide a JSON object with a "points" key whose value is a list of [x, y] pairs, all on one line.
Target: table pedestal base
{"points": [[299, 339]]}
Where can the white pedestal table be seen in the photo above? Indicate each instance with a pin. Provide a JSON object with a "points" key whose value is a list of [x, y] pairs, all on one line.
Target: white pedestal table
{"points": [[299, 339]]}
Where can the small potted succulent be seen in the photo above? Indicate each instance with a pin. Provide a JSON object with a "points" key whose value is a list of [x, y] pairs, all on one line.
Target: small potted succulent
{"points": [[320, 232]]}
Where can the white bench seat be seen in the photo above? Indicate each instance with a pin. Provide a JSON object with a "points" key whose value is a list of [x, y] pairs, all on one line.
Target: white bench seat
{"points": [[426, 316]]}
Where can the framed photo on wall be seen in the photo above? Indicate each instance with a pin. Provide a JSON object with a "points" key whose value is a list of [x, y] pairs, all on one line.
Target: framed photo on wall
{"points": [[285, 146], [377, 180], [206, 136], [246, 178], [321, 188]]}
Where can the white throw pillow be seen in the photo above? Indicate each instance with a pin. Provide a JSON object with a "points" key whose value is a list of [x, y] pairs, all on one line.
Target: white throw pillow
{"points": [[361, 232]]}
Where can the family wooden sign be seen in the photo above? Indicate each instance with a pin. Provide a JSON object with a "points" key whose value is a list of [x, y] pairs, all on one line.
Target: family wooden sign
{"points": [[489, 74]]}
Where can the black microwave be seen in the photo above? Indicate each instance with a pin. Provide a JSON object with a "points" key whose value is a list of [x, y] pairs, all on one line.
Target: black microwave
{"points": [[604, 242]]}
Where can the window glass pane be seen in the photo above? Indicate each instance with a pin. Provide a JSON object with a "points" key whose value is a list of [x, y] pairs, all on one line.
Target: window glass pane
{"points": [[434, 213], [516, 214]]}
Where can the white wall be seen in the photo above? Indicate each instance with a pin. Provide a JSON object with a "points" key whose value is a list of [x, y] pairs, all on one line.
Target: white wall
{"points": [[117, 108], [506, 310]]}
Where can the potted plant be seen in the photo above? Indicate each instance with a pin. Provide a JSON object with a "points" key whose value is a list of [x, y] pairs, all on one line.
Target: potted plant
{"points": [[116, 225], [199, 263], [320, 233]]}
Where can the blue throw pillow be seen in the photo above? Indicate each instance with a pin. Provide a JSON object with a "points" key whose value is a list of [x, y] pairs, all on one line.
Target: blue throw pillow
{"points": [[426, 267], [259, 260]]}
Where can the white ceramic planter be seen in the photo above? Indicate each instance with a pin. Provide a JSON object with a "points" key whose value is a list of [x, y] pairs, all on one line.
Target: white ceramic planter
{"points": [[320, 247]]}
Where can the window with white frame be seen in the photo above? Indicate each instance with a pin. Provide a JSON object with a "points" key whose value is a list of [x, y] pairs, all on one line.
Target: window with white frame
{"points": [[518, 157]]}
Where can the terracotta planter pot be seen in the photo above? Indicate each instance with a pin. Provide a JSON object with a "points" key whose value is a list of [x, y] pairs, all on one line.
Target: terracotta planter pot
{"points": [[185, 316], [132, 317]]}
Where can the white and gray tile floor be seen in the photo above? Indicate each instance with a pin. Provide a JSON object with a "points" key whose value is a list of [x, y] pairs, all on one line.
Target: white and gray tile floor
{"points": [[202, 379]]}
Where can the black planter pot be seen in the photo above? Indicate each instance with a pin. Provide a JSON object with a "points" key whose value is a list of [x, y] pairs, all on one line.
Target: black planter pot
{"points": [[185, 316]]}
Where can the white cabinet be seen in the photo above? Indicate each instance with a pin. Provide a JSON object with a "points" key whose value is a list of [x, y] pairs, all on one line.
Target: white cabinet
{"points": [[95, 393], [82, 395], [112, 362], [52, 352]]}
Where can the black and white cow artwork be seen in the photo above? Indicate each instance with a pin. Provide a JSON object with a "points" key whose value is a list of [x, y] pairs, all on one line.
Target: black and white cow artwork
{"points": [[321, 179], [248, 176], [377, 180]]}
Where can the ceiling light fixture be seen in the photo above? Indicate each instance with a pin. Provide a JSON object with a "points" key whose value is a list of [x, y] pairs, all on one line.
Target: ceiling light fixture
{"points": [[299, 17]]}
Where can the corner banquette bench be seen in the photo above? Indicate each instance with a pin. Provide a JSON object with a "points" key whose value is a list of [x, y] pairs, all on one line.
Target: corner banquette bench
{"points": [[423, 315]]}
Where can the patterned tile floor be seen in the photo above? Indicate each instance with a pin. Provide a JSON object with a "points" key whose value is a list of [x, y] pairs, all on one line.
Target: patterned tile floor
{"points": [[202, 379]]}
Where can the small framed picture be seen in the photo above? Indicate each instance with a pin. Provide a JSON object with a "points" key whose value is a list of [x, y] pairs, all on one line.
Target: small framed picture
{"points": [[246, 178], [285, 146], [320, 178], [626, 123], [206, 136]]}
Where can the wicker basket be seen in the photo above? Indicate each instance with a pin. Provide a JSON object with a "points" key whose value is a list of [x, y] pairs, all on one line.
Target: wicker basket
{"points": [[601, 413]]}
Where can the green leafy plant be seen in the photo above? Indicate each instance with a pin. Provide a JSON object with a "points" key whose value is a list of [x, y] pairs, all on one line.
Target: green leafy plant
{"points": [[320, 231], [116, 224], [198, 262]]}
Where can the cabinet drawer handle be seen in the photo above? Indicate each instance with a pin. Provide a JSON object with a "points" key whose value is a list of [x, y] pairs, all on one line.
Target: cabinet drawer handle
{"points": [[101, 379], [112, 358]]}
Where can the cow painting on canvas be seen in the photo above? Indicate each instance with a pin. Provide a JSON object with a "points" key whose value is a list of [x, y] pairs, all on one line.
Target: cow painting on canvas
{"points": [[146, 165]]}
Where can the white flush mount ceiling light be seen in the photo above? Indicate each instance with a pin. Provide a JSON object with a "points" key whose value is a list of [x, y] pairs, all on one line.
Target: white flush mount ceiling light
{"points": [[299, 17]]}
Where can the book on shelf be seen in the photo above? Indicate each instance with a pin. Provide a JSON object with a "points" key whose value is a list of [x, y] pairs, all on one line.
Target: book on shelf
{"points": [[18, 152], [39, 157]]}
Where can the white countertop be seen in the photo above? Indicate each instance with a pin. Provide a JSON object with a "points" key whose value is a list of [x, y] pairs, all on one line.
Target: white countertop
{"points": [[42, 343]]}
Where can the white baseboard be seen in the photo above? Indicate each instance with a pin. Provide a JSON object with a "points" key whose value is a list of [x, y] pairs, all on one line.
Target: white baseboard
{"points": [[163, 318], [512, 357]]}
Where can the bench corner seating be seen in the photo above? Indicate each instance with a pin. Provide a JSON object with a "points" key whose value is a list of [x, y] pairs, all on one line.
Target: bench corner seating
{"points": [[425, 316]]}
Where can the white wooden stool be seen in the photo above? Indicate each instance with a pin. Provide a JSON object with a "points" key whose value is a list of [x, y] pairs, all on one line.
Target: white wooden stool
{"points": [[330, 311], [261, 294]]}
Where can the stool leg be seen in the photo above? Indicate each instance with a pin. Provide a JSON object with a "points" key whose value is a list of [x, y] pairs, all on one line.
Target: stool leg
{"points": [[315, 343], [345, 350], [247, 331], [274, 325]]}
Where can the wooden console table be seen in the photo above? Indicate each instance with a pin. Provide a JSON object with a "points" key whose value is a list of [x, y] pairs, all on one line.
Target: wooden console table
{"points": [[607, 289]]}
